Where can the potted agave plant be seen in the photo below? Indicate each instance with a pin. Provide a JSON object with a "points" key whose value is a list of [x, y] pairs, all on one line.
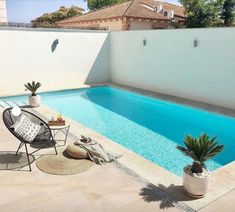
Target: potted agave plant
{"points": [[34, 99], [196, 176]]}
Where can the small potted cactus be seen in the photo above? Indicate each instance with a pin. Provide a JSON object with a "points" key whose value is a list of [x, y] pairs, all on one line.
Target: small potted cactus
{"points": [[34, 99], [196, 176]]}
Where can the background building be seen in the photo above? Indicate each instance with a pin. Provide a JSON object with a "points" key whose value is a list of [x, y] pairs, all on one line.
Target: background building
{"points": [[131, 15], [3, 11]]}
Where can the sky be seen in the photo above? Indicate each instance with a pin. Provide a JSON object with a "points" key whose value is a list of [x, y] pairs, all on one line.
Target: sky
{"points": [[27, 10]]}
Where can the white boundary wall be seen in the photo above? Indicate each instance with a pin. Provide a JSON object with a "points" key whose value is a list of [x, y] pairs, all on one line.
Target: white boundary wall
{"points": [[167, 64], [170, 64], [26, 55]]}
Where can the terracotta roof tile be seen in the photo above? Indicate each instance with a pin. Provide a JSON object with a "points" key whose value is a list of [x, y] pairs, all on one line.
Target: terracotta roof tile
{"points": [[117, 10]]}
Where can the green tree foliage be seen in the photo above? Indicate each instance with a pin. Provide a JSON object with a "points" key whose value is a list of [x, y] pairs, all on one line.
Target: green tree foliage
{"points": [[202, 13], [228, 12], [97, 4], [50, 19]]}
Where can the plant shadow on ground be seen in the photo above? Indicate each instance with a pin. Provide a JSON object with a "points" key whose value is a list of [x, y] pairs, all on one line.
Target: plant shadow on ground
{"points": [[10, 161], [167, 196]]}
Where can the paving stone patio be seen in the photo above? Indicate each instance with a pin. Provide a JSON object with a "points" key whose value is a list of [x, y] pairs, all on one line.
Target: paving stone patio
{"points": [[101, 188], [132, 184]]}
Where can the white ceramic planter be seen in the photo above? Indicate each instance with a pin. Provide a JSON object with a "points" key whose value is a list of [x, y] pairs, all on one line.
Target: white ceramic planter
{"points": [[195, 186], [35, 101]]}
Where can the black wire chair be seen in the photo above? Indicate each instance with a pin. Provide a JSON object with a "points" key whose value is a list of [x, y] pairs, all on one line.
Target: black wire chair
{"points": [[43, 138]]}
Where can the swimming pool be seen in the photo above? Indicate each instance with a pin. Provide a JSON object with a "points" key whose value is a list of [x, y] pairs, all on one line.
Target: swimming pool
{"points": [[150, 127]]}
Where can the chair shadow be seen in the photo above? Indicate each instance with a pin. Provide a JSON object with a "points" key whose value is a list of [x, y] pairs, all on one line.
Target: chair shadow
{"points": [[42, 144], [10, 161], [167, 196]]}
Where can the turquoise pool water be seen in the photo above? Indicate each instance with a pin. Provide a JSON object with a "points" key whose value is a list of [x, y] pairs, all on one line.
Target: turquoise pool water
{"points": [[150, 127]]}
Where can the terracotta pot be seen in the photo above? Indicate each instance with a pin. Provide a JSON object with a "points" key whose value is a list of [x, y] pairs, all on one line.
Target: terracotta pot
{"points": [[195, 186], [34, 101]]}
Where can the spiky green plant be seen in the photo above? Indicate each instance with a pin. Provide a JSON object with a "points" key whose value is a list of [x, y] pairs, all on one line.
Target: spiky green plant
{"points": [[200, 149], [32, 87]]}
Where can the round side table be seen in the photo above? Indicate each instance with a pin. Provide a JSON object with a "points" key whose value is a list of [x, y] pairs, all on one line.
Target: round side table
{"points": [[56, 130]]}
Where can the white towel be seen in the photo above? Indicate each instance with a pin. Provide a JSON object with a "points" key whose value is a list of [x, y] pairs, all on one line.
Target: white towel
{"points": [[95, 151]]}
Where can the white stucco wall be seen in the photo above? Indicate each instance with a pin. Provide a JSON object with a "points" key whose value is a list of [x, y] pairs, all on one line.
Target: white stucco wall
{"points": [[170, 64], [167, 64], [80, 57]]}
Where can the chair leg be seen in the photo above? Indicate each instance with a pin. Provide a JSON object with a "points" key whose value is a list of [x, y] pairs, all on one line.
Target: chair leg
{"points": [[21, 144], [28, 157], [55, 147]]}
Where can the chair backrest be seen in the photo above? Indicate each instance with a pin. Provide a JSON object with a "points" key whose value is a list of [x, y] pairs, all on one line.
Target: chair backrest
{"points": [[9, 120]]}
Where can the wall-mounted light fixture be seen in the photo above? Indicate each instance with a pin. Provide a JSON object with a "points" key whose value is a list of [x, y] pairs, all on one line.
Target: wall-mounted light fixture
{"points": [[54, 45], [195, 43], [144, 42]]}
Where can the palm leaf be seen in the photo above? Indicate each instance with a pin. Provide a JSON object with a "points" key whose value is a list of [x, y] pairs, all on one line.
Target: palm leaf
{"points": [[200, 149], [32, 87]]}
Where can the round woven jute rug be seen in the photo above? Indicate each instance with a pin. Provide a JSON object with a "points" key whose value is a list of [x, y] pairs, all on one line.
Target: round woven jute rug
{"points": [[62, 164]]}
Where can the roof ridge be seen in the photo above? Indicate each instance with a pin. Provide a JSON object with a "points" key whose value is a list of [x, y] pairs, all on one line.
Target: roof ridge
{"points": [[132, 2], [107, 6]]}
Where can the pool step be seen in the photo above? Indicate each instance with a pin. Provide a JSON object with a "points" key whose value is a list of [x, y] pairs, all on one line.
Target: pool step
{"points": [[9, 103]]}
